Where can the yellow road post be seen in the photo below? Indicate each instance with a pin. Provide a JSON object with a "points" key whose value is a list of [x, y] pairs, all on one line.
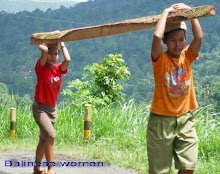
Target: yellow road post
{"points": [[13, 122], [87, 121]]}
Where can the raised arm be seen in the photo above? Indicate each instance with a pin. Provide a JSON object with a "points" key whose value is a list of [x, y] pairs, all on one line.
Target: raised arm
{"points": [[198, 35], [66, 56], [44, 53], [196, 29], [157, 49]]}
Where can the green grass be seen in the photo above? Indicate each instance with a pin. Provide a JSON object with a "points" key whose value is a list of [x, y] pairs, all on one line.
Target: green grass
{"points": [[118, 134]]}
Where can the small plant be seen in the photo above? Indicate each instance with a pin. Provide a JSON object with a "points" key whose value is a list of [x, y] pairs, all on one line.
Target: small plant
{"points": [[102, 87]]}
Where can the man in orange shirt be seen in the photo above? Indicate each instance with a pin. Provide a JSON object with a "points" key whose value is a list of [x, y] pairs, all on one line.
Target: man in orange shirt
{"points": [[171, 132]]}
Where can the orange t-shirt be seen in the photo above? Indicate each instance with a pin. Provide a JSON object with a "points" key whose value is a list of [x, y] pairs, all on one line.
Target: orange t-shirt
{"points": [[174, 93]]}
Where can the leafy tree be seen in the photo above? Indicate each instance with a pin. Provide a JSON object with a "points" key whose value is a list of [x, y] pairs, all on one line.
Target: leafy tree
{"points": [[105, 77]]}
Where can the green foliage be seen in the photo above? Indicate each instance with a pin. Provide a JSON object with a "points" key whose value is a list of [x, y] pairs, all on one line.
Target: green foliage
{"points": [[18, 57], [78, 94], [103, 86], [208, 127], [3, 93], [22, 105], [118, 134], [207, 79], [10, 100], [105, 77]]}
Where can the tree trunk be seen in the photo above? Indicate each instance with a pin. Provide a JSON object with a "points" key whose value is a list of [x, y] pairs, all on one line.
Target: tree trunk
{"points": [[120, 27]]}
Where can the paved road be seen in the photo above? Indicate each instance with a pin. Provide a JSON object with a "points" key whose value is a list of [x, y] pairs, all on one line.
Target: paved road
{"points": [[20, 162]]}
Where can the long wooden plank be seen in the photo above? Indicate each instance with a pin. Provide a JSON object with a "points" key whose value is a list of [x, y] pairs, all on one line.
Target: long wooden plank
{"points": [[120, 27]]}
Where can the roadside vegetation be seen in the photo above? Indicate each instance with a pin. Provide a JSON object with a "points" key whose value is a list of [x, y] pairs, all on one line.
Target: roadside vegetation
{"points": [[118, 134], [118, 130]]}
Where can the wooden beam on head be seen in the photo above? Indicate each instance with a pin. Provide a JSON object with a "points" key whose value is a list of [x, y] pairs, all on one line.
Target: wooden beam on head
{"points": [[120, 27]]}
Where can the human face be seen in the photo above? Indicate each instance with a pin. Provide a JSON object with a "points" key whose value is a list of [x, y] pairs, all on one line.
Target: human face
{"points": [[52, 58], [175, 42]]}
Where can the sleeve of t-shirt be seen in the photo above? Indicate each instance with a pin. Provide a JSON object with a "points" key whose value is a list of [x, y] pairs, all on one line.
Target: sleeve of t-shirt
{"points": [[37, 66], [159, 61], [190, 55]]}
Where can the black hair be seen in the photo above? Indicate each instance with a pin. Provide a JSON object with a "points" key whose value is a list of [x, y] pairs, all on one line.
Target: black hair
{"points": [[165, 36], [57, 49]]}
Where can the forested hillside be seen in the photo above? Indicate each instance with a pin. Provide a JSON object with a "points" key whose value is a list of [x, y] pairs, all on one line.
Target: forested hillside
{"points": [[18, 57]]}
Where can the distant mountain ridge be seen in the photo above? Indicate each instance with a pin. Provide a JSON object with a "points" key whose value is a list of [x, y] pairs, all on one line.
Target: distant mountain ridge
{"points": [[14, 6]]}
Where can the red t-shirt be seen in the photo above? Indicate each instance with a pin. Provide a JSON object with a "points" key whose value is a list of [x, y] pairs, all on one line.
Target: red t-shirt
{"points": [[48, 83]]}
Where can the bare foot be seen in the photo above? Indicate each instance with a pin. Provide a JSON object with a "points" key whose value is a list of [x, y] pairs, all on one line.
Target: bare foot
{"points": [[51, 171], [38, 170]]}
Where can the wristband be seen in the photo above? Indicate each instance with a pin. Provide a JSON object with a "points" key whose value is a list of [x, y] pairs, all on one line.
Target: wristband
{"points": [[63, 46]]}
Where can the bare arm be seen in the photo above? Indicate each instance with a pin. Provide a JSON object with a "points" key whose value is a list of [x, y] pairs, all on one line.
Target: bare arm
{"points": [[44, 53], [157, 49], [196, 29], [197, 40], [66, 56]]}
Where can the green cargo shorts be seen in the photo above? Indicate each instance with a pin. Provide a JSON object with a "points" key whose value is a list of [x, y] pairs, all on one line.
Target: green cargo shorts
{"points": [[169, 137]]}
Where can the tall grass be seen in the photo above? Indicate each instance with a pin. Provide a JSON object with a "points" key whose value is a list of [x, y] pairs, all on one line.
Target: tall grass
{"points": [[118, 134], [208, 130]]}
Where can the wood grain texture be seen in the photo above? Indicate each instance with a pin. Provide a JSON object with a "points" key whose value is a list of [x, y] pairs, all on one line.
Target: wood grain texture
{"points": [[120, 27]]}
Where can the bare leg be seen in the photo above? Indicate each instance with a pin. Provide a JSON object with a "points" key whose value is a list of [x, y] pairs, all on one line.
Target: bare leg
{"points": [[185, 172], [49, 152], [40, 153]]}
